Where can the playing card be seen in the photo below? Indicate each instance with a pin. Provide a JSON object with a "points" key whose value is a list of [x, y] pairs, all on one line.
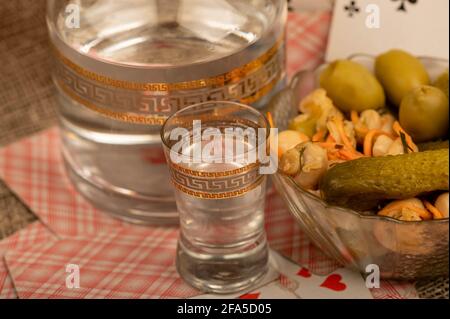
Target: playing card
{"points": [[34, 170], [6, 286], [273, 290], [375, 26], [269, 287], [33, 235], [254, 292], [134, 262], [340, 284], [395, 290], [309, 5], [279, 283]]}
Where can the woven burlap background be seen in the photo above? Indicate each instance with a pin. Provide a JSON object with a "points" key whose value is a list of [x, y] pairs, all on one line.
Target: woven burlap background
{"points": [[27, 103], [26, 93]]}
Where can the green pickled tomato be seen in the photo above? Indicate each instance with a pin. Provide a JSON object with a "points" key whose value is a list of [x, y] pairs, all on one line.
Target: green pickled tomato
{"points": [[442, 82], [307, 126], [352, 87], [424, 113], [399, 72]]}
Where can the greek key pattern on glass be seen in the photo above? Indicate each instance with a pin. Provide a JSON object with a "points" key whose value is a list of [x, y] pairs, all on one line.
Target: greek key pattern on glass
{"points": [[224, 186], [152, 103]]}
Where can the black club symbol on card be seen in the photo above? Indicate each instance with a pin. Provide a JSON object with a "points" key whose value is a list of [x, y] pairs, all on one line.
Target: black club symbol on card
{"points": [[403, 4], [352, 8]]}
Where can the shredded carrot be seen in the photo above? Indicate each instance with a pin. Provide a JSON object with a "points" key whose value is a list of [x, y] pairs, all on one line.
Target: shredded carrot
{"points": [[362, 130], [330, 139], [319, 136], [339, 151], [355, 117], [424, 214], [329, 145], [333, 156], [345, 140], [344, 151], [399, 130], [368, 140], [359, 128], [348, 155], [270, 119], [332, 150], [436, 213]]}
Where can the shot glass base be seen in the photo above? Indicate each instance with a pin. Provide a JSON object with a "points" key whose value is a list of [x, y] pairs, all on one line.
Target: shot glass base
{"points": [[222, 272]]}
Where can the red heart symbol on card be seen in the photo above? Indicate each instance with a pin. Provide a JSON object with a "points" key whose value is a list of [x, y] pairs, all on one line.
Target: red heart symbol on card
{"points": [[333, 282], [304, 272], [250, 296]]}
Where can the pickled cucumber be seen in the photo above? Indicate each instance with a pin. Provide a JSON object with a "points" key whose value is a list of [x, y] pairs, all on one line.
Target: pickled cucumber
{"points": [[399, 72], [352, 87], [365, 183]]}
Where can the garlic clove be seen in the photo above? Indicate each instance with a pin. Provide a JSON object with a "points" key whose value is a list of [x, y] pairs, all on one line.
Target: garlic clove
{"points": [[382, 145], [442, 204], [396, 148], [289, 139]]}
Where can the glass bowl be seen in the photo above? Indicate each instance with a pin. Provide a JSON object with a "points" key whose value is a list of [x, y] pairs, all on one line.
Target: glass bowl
{"points": [[401, 250]]}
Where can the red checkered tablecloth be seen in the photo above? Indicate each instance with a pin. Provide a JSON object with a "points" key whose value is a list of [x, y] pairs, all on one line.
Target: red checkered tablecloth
{"points": [[121, 260]]}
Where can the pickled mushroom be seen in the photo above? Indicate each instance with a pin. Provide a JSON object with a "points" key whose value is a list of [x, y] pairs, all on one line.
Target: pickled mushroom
{"points": [[318, 105], [289, 139], [442, 203], [407, 210], [307, 163]]}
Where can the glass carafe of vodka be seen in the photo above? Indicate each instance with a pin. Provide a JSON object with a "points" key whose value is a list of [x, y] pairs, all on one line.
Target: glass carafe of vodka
{"points": [[123, 66]]}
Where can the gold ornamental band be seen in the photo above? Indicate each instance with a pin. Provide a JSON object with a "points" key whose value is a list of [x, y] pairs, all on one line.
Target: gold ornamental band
{"points": [[216, 185], [164, 87], [153, 103], [234, 172], [118, 116], [206, 195]]}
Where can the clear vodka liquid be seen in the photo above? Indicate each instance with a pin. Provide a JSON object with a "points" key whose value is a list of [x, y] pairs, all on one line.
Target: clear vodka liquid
{"points": [[222, 246], [123, 66]]}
